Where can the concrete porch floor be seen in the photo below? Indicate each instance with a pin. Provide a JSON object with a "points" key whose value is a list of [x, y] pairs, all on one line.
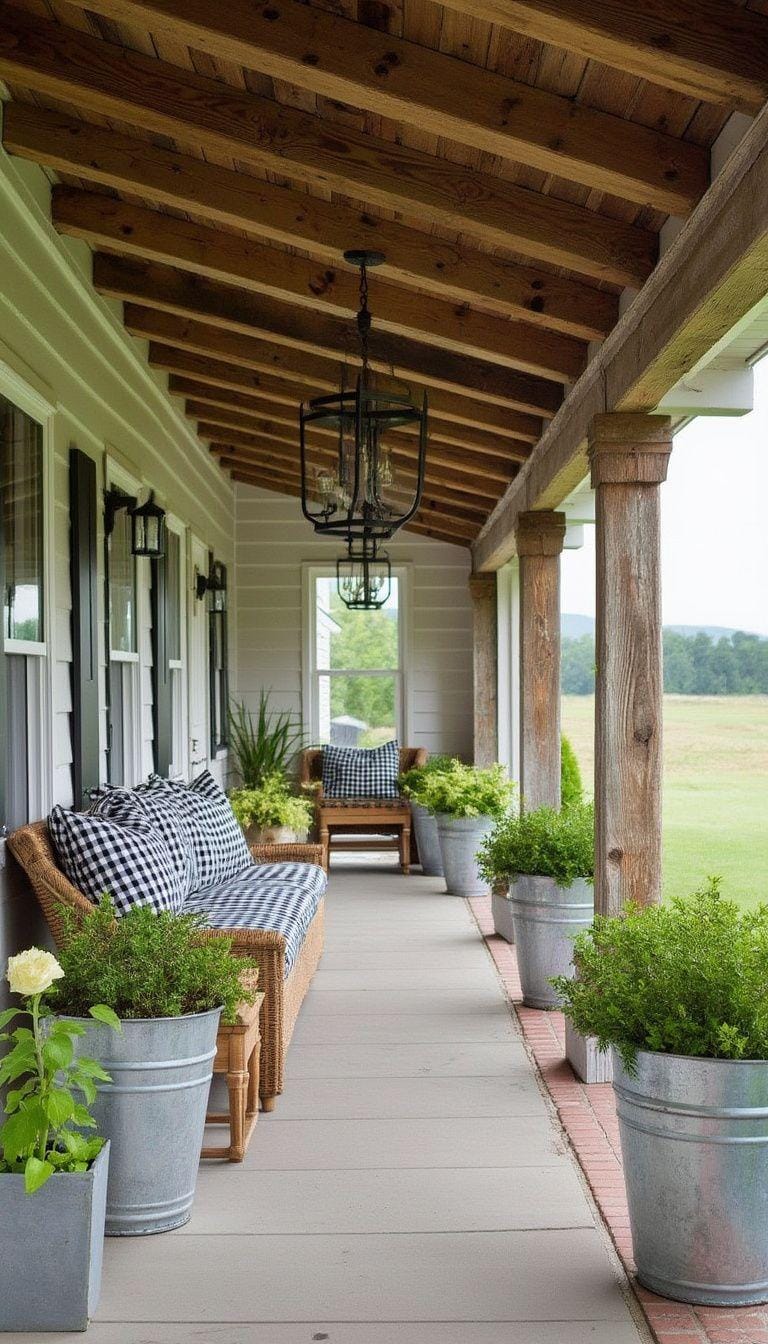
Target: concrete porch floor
{"points": [[411, 1187]]}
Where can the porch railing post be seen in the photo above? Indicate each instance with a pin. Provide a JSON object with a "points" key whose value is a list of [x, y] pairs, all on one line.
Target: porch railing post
{"points": [[482, 588], [540, 538], [628, 456]]}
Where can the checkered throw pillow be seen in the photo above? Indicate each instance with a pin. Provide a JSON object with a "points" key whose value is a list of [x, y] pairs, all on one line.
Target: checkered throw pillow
{"points": [[122, 854], [202, 811], [359, 772], [119, 804]]}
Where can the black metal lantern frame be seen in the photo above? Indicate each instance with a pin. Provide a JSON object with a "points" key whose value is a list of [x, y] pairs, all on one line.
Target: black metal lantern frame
{"points": [[147, 522], [355, 492], [215, 583], [364, 576]]}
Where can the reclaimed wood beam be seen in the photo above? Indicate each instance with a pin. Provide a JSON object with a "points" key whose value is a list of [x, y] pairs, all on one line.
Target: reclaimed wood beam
{"points": [[217, 255], [324, 229], [709, 49], [347, 61], [233, 313], [115, 81]]}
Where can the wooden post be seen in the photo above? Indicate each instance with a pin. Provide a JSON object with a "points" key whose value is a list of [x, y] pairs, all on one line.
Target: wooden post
{"points": [[540, 537], [628, 456], [482, 588]]}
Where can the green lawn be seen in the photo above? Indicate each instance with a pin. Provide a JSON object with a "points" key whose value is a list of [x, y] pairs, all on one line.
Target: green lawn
{"points": [[715, 788]]}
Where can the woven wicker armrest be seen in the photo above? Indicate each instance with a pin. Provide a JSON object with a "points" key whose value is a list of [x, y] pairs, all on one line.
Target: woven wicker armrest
{"points": [[292, 853]]}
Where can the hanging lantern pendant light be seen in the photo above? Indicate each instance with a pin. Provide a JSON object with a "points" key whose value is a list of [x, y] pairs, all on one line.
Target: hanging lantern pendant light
{"points": [[364, 576], [369, 485]]}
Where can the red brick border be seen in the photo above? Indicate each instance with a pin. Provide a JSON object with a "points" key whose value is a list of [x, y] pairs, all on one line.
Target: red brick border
{"points": [[588, 1116]]}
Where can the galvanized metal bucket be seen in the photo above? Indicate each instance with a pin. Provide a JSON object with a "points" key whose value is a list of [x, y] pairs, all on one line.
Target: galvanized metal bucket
{"points": [[427, 841], [501, 909], [460, 839], [546, 919], [51, 1249], [154, 1113], [694, 1137]]}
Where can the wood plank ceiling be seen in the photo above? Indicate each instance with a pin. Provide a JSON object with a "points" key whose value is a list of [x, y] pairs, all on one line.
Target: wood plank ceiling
{"points": [[514, 160]]}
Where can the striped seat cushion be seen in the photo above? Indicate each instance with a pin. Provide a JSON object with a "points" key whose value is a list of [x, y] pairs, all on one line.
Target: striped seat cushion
{"points": [[282, 897], [361, 772]]}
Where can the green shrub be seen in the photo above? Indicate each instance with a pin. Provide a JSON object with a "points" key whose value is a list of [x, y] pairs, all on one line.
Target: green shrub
{"points": [[410, 781], [545, 843], [571, 788], [147, 965], [264, 746], [271, 804], [685, 978], [466, 790]]}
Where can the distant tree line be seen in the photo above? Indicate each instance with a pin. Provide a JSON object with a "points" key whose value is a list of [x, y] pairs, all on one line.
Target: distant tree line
{"points": [[693, 665]]}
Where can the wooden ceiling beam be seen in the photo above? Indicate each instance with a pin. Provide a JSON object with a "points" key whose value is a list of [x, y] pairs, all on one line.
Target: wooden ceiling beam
{"points": [[216, 255], [215, 411], [115, 81], [243, 325], [709, 49], [340, 59], [444, 408], [324, 229]]}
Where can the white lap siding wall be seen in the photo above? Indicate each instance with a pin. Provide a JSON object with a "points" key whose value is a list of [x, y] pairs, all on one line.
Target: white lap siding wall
{"points": [[67, 346], [273, 545]]}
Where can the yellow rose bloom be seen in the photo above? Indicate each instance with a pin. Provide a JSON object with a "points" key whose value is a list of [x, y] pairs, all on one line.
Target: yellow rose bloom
{"points": [[33, 971]]}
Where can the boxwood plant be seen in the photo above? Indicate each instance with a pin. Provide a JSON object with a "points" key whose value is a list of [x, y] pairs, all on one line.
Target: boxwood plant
{"points": [[410, 782], [545, 843], [271, 803], [686, 978], [465, 790]]}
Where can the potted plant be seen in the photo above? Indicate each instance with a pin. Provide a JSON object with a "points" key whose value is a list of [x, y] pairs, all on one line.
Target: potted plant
{"points": [[269, 813], [53, 1168], [548, 857], [679, 992], [168, 986], [264, 746], [424, 824], [466, 801]]}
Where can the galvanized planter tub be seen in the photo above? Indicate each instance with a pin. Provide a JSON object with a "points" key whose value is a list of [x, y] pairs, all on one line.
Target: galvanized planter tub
{"points": [[460, 839], [501, 909], [154, 1113], [546, 919], [694, 1137], [51, 1246], [427, 841]]}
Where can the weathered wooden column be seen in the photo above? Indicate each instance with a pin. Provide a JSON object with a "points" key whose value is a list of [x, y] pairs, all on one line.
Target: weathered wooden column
{"points": [[540, 538], [484, 667], [628, 458]]}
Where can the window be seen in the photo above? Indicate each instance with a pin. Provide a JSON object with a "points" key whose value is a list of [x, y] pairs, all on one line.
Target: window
{"points": [[219, 657], [123, 750], [356, 667], [22, 785]]}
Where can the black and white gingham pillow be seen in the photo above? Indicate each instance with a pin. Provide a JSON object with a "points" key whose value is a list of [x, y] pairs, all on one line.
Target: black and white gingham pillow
{"points": [[123, 855], [219, 849], [120, 804], [360, 772]]}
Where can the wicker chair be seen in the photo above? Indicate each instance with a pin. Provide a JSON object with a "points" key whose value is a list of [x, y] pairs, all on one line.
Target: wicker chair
{"points": [[31, 847], [388, 816]]}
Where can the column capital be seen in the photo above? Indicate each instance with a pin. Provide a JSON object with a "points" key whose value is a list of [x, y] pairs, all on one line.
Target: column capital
{"points": [[540, 532], [629, 448], [482, 586]]}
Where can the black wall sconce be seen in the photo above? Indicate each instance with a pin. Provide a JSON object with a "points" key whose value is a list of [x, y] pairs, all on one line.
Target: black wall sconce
{"points": [[215, 581], [147, 522]]}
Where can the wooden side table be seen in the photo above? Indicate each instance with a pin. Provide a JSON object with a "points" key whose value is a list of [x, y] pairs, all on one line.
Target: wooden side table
{"points": [[237, 1055]]}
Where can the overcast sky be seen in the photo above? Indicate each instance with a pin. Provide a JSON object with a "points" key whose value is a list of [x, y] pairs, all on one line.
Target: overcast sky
{"points": [[714, 526]]}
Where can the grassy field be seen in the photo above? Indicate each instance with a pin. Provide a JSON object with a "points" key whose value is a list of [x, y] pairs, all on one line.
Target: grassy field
{"points": [[715, 788]]}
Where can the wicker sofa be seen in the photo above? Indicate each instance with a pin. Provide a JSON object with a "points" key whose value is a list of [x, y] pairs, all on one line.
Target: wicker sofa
{"points": [[390, 817], [31, 846]]}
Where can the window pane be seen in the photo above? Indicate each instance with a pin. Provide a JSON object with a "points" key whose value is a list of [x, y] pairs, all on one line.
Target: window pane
{"points": [[359, 711], [117, 711], [21, 490], [355, 639], [122, 587], [173, 593], [17, 755]]}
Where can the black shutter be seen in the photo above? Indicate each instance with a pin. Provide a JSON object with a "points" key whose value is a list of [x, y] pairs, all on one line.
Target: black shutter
{"points": [[4, 764], [161, 672], [85, 641]]}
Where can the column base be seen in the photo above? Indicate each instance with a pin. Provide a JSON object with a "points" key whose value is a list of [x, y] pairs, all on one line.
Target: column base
{"points": [[588, 1063]]}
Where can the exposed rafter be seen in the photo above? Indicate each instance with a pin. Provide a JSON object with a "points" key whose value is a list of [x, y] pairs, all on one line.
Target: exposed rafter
{"points": [[113, 81], [340, 59], [322, 228]]}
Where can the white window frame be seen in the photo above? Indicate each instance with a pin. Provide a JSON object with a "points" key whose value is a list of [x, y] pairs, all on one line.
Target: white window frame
{"points": [[116, 476], [180, 721], [40, 692], [310, 673]]}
